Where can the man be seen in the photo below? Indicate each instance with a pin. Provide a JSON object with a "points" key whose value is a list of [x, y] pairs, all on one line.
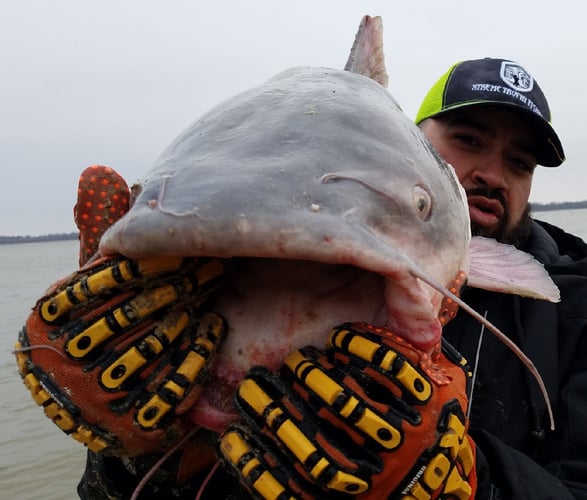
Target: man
{"points": [[490, 120]]}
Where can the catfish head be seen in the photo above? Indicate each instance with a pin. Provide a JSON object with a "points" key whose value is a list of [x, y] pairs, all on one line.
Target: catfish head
{"points": [[327, 204]]}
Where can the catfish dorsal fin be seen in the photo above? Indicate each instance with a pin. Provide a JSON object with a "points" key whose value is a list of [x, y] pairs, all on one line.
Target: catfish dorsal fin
{"points": [[503, 268], [366, 57]]}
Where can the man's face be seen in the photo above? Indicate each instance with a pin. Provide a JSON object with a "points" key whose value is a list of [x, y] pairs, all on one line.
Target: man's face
{"points": [[492, 151]]}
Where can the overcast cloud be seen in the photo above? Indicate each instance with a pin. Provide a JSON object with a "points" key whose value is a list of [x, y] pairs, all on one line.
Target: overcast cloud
{"points": [[113, 82]]}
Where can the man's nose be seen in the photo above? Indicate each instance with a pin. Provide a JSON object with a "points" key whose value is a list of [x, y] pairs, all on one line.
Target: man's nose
{"points": [[490, 172]]}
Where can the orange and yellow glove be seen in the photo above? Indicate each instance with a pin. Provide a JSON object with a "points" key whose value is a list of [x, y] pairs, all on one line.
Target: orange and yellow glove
{"points": [[371, 417], [117, 352]]}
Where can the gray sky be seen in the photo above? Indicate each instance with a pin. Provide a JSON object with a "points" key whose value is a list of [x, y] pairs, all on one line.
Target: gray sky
{"points": [[113, 82]]}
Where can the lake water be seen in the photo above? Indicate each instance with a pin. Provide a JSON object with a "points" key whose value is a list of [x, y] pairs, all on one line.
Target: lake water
{"points": [[573, 221], [37, 460]]}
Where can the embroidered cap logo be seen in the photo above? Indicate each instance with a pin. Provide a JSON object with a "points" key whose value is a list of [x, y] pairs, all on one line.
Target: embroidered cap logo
{"points": [[516, 77]]}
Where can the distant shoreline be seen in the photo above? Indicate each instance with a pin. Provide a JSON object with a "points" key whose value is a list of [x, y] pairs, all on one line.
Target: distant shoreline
{"points": [[35, 239], [565, 205], [536, 207]]}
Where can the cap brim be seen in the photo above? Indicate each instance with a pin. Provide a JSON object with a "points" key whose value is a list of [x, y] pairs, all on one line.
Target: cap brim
{"points": [[550, 150]]}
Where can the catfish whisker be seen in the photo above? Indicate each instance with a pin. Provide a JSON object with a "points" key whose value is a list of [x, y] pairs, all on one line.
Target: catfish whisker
{"points": [[35, 347], [497, 332], [161, 461], [208, 478]]}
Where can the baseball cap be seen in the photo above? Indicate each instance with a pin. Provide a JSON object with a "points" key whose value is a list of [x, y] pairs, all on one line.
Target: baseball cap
{"points": [[496, 82]]}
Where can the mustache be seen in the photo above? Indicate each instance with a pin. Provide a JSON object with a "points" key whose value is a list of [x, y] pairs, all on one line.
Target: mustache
{"points": [[487, 192]]}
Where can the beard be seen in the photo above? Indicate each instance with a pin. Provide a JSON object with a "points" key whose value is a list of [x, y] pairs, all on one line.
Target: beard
{"points": [[508, 231]]}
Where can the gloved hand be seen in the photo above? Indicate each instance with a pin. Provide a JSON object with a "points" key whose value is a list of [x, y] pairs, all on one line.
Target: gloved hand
{"points": [[371, 417], [118, 351], [102, 198]]}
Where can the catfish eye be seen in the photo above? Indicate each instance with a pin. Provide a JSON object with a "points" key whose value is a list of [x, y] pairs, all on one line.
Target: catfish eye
{"points": [[422, 202]]}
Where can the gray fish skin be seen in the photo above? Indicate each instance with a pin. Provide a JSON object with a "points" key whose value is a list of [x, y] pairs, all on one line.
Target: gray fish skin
{"points": [[319, 165], [332, 202]]}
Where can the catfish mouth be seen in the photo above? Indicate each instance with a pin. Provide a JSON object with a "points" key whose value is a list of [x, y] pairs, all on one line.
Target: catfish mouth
{"points": [[273, 307]]}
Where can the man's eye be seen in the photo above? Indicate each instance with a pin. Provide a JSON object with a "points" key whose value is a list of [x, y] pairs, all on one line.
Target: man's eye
{"points": [[522, 164], [467, 139]]}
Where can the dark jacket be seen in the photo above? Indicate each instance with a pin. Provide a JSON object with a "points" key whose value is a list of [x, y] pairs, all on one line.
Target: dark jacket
{"points": [[518, 456]]}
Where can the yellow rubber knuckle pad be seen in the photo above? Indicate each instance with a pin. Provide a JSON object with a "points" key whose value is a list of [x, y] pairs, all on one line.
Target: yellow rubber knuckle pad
{"points": [[40, 395], [347, 406], [314, 378], [122, 369], [457, 486], [415, 383], [60, 416], [150, 414], [355, 343], [383, 357], [457, 444], [254, 396], [94, 335], [87, 437], [236, 450]]}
